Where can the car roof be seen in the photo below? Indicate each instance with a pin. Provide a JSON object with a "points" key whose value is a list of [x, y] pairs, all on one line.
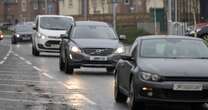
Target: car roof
{"points": [[166, 36], [87, 23], [55, 16]]}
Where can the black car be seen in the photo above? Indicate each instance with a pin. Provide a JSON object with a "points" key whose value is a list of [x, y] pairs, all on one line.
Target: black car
{"points": [[163, 69], [22, 32], [90, 44]]}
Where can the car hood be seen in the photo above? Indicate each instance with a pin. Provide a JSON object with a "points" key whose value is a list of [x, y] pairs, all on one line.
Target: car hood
{"points": [[56, 33], [175, 67], [96, 43]]}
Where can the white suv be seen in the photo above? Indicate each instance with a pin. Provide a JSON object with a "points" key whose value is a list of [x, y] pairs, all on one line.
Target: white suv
{"points": [[48, 29]]}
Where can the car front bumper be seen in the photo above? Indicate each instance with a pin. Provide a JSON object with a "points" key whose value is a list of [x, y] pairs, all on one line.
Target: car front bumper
{"points": [[84, 60], [164, 92]]}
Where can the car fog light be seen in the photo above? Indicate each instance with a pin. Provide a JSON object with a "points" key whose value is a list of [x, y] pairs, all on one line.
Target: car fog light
{"points": [[150, 94], [146, 89]]}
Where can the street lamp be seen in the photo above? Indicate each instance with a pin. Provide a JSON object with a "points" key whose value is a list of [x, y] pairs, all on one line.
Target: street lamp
{"points": [[114, 3]]}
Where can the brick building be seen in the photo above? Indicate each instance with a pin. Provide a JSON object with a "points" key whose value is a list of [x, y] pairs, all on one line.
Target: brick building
{"points": [[26, 10]]}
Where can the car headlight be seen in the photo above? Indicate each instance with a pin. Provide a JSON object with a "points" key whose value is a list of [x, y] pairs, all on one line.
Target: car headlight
{"points": [[120, 50], [199, 29], [41, 36], [75, 49], [17, 35], [150, 77], [1, 36]]}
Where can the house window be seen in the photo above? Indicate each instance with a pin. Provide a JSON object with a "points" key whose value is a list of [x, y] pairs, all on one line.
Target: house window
{"points": [[70, 3], [24, 5], [35, 5]]}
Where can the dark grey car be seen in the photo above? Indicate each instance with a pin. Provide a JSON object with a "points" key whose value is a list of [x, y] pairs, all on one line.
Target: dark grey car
{"points": [[22, 32], [90, 44], [163, 69]]}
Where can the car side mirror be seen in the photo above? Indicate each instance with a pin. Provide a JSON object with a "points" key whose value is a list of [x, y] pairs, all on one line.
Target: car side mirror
{"points": [[64, 36], [127, 57], [34, 28], [122, 37]]}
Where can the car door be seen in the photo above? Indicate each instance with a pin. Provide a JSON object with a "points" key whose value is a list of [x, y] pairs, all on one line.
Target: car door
{"points": [[126, 67]]}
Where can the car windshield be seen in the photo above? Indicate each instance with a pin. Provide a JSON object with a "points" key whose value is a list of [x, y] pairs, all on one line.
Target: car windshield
{"points": [[173, 48], [55, 23], [25, 28], [94, 32]]}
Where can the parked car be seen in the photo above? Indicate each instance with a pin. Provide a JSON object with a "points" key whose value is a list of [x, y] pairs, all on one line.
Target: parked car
{"points": [[163, 69], [201, 30], [1, 35], [22, 32], [90, 44], [48, 29]]}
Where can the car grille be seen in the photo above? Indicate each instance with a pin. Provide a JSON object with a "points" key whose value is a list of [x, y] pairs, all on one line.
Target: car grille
{"points": [[26, 35], [54, 37], [197, 79], [52, 42], [98, 51], [185, 95]]}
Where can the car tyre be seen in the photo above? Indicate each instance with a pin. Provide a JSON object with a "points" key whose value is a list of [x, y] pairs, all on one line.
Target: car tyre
{"points": [[61, 63], [118, 95], [133, 104], [68, 69], [35, 52]]}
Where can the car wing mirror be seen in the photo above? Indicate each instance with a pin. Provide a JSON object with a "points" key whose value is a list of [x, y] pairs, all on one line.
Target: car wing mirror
{"points": [[64, 36], [34, 28], [122, 37], [127, 57]]}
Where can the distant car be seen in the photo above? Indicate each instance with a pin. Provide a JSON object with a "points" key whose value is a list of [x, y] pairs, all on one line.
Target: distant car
{"points": [[201, 31], [163, 69], [22, 33], [48, 29], [89, 44], [1, 35]]}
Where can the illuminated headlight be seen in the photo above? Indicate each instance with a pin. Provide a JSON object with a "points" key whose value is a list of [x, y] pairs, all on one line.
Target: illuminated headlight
{"points": [[1, 36], [197, 30], [17, 35], [120, 50], [75, 49], [150, 77], [41, 36]]}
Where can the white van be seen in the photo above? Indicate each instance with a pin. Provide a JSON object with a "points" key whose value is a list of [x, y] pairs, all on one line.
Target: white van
{"points": [[48, 29]]}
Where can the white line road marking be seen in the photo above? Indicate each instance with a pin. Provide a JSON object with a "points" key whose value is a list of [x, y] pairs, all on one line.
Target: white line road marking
{"points": [[22, 58], [62, 83], [28, 62], [32, 101], [36, 68], [7, 55]]}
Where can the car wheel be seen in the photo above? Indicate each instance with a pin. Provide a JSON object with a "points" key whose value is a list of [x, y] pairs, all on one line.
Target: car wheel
{"points": [[68, 69], [118, 95], [61, 63], [35, 52], [110, 69], [133, 104]]}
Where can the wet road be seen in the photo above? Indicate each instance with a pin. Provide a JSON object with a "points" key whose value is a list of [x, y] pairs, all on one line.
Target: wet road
{"points": [[35, 83]]}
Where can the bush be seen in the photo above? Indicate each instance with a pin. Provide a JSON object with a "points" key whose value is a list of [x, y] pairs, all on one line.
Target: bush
{"points": [[131, 33]]}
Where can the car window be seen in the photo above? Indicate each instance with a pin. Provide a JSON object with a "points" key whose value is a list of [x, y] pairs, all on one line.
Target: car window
{"points": [[55, 23], [94, 32], [173, 48]]}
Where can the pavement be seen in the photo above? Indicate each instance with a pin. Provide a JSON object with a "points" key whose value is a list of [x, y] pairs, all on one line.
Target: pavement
{"points": [[36, 83]]}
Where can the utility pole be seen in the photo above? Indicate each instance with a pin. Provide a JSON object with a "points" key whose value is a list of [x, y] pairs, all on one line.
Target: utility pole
{"points": [[169, 16], [46, 6], [85, 9], [114, 3]]}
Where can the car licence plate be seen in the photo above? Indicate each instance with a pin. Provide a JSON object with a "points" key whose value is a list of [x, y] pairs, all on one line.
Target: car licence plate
{"points": [[54, 46], [98, 58], [187, 87], [26, 38]]}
